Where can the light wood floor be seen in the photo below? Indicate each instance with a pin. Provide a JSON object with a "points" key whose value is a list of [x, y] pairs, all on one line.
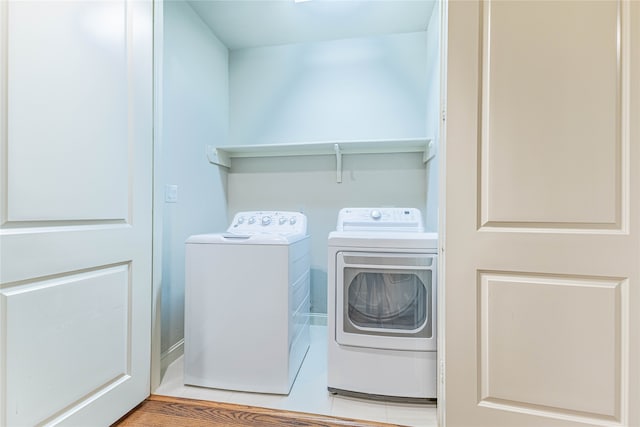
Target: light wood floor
{"points": [[160, 411]]}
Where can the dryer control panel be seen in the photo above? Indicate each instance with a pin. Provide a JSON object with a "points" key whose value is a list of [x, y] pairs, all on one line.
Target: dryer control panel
{"points": [[380, 219], [268, 222]]}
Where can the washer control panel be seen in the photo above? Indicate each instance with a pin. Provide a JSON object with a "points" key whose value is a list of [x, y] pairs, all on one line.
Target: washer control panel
{"points": [[380, 219], [273, 222]]}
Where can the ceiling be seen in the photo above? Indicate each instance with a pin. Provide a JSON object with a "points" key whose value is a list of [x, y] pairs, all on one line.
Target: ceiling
{"points": [[245, 23]]}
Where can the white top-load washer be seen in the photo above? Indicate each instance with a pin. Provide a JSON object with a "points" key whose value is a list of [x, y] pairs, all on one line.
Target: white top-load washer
{"points": [[247, 303], [381, 305]]}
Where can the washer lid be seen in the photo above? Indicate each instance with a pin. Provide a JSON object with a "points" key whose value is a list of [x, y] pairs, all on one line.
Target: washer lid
{"points": [[380, 220], [245, 239]]}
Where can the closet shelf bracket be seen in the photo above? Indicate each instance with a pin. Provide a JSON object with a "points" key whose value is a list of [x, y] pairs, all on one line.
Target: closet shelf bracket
{"points": [[218, 157], [338, 151], [429, 152]]}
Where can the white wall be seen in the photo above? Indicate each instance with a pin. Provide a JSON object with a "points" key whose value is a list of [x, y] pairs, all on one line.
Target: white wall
{"points": [[364, 88], [355, 89], [195, 113]]}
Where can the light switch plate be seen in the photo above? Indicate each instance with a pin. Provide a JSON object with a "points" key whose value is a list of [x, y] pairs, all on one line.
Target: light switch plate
{"points": [[171, 193]]}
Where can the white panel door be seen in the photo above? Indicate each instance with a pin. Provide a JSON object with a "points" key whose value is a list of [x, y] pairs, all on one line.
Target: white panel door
{"points": [[75, 210], [542, 214]]}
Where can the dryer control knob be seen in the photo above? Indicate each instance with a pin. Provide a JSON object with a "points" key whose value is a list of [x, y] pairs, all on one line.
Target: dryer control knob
{"points": [[252, 220], [266, 220], [376, 214], [292, 220], [282, 220]]}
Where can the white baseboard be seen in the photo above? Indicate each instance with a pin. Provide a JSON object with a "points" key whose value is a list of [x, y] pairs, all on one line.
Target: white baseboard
{"points": [[318, 319], [171, 355]]}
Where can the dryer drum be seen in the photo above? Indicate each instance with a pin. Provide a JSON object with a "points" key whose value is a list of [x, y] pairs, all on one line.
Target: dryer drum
{"points": [[387, 300]]}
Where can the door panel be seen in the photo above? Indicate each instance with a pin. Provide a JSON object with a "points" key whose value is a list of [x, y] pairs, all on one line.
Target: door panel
{"points": [[83, 316], [541, 230], [550, 92], [75, 210], [525, 327], [62, 124]]}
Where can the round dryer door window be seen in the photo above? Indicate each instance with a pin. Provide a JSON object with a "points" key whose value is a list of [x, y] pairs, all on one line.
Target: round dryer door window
{"points": [[387, 300]]}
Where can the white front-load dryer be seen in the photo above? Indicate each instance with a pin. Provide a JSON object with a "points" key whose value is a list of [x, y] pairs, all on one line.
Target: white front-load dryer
{"points": [[247, 304], [382, 270]]}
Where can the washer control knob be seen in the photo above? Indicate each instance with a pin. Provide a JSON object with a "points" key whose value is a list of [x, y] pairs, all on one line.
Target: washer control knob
{"points": [[252, 220], [241, 220], [282, 220], [376, 214], [266, 220], [292, 220]]}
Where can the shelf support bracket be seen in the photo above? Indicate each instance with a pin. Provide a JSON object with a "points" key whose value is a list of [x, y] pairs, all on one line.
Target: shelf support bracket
{"points": [[338, 151], [218, 157], [429, 152]]}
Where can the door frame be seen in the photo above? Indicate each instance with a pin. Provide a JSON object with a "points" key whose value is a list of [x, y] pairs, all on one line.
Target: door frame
{"points": [[442, 155], [156, 249], [158, 195]]}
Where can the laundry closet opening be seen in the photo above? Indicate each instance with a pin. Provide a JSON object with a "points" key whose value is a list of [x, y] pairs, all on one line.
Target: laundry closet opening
{"points": [[247, 73]]}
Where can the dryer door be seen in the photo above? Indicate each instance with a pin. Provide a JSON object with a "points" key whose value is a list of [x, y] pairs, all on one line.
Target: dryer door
{"points": [[386, 300]]}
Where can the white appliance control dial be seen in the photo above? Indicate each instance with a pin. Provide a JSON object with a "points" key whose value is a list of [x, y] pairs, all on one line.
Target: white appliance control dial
{"points": [[269, 222], [376, 214]]}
